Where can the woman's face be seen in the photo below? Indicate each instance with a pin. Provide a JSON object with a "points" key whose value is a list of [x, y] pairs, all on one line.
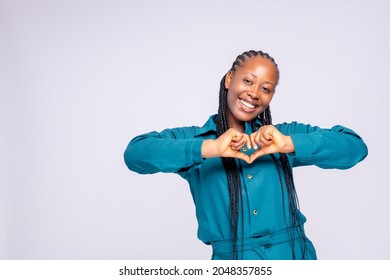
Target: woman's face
{"points": [[250, 90]]}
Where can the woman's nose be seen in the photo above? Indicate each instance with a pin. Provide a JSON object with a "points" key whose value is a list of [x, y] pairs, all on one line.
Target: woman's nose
{"points": [[253, 94]]}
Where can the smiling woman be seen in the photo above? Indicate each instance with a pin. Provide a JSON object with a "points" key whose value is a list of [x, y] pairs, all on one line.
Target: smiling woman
{"points": [[251, 89], [239, 165]]}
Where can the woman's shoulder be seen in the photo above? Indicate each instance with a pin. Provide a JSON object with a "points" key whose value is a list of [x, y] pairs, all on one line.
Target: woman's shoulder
{"points": [[294, 127], [209, 127]]}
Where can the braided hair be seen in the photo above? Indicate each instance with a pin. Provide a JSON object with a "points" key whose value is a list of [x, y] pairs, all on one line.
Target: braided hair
{"points": [[233, 173]]}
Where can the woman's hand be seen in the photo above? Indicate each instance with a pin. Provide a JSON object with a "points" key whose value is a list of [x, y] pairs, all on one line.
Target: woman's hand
{"points": [[227, 145], [269, 140]]}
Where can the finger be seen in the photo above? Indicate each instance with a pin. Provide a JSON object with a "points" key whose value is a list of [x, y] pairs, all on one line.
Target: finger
{"points": [[260, 140], [247, 141], [237, 145], [268, 134], [238, 141], [231, 135], [253, 140], [265, 138], [236, 137], [242, 142], [278, 138]]}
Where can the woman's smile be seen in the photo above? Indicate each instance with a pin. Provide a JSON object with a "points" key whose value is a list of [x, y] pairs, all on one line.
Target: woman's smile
{"points": [[247, 105]]}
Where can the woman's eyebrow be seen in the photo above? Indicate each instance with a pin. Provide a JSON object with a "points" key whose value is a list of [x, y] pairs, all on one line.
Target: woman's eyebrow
{"points": [[250, 74], [256, 77]]}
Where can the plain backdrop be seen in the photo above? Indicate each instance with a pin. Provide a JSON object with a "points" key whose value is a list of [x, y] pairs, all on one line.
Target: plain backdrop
{"points": [[80, 79]]}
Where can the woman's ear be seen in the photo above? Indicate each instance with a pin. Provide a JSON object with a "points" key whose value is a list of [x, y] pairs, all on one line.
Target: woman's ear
{"points": [[228, 79]]}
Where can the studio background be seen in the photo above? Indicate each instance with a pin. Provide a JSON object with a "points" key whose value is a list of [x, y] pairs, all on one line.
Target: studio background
{"points": [[80, 79]]}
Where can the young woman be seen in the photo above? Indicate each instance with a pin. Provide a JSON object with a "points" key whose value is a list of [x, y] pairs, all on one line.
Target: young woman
{"points": [[239, 165]]}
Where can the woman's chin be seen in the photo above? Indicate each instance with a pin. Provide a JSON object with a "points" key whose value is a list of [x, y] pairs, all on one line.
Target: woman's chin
{"points": [[245, 117]]}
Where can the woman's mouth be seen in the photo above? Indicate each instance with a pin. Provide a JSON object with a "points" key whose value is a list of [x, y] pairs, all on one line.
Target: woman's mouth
{"points": [[247, 106]]}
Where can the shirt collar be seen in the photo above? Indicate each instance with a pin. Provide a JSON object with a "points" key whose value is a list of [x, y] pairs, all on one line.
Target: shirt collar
{"points": [[211, 126]]}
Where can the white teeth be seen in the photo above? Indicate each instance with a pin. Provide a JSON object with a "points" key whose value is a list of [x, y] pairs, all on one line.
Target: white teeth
{"points": [[247, 104]]}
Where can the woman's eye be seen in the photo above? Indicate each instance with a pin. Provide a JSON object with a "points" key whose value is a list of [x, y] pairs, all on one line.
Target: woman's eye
{"points": [[249, 82], [266, 89]]}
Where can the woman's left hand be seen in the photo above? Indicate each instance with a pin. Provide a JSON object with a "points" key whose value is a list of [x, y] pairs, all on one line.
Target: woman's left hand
{"points": [[269, 140]]}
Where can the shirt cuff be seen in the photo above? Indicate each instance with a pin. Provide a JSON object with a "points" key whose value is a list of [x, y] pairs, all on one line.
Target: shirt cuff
{"points": [[194, 152], [302, 145]]}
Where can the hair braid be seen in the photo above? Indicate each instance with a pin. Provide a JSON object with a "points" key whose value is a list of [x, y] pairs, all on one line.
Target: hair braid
{"points": [[233, 172]]}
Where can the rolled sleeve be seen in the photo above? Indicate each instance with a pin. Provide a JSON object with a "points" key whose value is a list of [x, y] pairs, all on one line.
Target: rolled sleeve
{"points": [[194, 152], [168, 151], [338, 147]]}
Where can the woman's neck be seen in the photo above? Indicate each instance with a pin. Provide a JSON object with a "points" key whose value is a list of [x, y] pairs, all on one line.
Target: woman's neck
{"points": [[237, 125]]}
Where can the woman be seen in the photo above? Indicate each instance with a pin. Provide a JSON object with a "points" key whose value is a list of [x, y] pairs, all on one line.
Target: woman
{"points": [[238, 165]]}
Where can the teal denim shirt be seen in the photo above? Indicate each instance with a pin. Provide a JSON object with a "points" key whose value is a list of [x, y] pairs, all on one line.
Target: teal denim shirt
{"points": [[178, 150]]}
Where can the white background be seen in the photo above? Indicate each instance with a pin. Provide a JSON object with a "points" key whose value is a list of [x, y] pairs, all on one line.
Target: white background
{"points": [[80, 79]]}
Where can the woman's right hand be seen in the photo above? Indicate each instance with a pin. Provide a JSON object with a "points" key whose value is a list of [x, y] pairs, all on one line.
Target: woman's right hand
{"points": [[227, 145]]}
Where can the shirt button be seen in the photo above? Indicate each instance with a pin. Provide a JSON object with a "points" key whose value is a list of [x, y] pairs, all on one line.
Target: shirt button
{"points": [[244, 149], [255, 212], [249, 176]]}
